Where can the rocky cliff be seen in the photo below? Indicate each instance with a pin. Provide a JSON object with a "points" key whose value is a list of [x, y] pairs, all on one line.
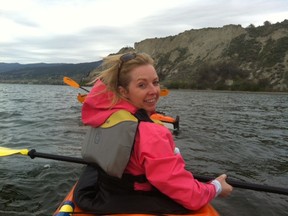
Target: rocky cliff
{"points": [[231, 57]]}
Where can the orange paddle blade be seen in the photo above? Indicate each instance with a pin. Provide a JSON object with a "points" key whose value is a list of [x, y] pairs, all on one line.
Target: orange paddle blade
{"points": [[71, 82], [81, 97], [164, 92], [163, 118]]}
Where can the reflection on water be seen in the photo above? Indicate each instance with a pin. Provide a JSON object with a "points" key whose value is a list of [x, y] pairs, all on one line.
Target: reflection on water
{"points": [[242, 134]]}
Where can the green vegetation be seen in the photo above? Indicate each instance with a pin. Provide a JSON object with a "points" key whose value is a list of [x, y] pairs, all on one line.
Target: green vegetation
{"points": [[273, 52], [266, 29], [240, 85], [244, 49]]}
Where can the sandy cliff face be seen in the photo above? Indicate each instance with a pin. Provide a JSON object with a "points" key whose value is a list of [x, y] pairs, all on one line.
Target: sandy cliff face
{"points": [[206, 43], [229, 56]]}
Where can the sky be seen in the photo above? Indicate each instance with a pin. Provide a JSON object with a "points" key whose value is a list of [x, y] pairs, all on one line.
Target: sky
{"points": [[77, 31]]}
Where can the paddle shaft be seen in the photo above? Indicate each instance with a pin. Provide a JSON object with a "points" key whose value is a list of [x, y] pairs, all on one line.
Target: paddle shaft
{"points": [[84, 89], [250, 186], [33, 153], [245, 185]]}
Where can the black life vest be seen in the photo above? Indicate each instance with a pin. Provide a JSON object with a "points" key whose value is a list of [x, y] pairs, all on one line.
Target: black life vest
{"points": [[99, 193]]}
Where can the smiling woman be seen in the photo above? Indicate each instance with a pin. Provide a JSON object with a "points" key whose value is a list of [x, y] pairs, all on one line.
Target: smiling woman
{"points": [[137, 158]]}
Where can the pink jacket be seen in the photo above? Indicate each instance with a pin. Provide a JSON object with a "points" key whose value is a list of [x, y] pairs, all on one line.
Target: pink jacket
{"points": [[153, 153]]}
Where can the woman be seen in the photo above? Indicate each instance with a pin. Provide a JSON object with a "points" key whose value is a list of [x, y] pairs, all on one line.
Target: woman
{"points": [[150, 176]]}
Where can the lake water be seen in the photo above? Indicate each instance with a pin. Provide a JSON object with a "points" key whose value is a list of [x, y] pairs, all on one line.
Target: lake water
{"points": [[244, 135]]}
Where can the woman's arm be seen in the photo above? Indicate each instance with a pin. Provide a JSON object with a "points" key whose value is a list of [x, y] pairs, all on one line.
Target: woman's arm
{"points": [[165, 169]]}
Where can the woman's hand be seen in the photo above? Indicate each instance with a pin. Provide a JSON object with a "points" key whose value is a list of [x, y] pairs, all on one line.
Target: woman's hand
{"points": [[226, 188]]}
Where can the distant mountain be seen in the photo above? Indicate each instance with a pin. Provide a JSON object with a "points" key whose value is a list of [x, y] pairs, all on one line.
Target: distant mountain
{"points": [[227, 58], [4, 67], [43, 73], [7, 67]]}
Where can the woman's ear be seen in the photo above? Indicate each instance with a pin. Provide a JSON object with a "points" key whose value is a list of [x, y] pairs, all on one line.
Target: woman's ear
{"points": [[123, 92]]}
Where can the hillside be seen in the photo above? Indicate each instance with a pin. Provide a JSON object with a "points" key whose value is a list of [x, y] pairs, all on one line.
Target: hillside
{"points": [[226, 58], [231, 57], [44, 73]]}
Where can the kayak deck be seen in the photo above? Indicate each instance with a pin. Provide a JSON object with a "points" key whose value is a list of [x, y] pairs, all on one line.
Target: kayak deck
{"points": [[207, 210]]}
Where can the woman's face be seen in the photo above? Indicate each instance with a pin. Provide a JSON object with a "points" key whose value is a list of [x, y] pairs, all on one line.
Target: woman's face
{"points": [[144, 89]]}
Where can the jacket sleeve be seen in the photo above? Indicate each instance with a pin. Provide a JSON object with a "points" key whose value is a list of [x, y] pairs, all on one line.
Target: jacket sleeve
{"points": [[165, 169]]}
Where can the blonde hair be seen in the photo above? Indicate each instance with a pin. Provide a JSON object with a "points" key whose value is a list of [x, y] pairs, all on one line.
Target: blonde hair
{"points": [[113, 78]]}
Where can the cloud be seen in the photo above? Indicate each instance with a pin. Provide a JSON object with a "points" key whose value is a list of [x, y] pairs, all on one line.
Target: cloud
{"points": [[73, 31]]}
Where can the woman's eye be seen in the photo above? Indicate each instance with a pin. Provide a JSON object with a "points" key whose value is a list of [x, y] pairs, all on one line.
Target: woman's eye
{"points": [[141, 85], [156, 83]]}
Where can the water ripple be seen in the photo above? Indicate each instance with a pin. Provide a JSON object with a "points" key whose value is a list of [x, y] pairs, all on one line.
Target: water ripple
{"points": [[242, 134]]}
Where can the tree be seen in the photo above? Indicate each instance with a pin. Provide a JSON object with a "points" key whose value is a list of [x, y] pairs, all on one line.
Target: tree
{"points": [[251, 26], [267, 23]]}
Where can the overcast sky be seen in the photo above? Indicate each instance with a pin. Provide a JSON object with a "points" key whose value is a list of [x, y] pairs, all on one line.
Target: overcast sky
{"points": [[75, 31]]}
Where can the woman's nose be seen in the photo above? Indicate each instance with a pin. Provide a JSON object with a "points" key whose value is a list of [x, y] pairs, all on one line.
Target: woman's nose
{"points": [[153, 89]]}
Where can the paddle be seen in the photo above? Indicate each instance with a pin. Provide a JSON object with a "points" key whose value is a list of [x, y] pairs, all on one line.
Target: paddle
{"points": [[33, 153], [81, 97], [164, 92], [74, 84]]}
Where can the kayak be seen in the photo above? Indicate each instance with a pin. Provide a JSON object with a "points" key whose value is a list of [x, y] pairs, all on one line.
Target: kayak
{"points": [[69, 208]]}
